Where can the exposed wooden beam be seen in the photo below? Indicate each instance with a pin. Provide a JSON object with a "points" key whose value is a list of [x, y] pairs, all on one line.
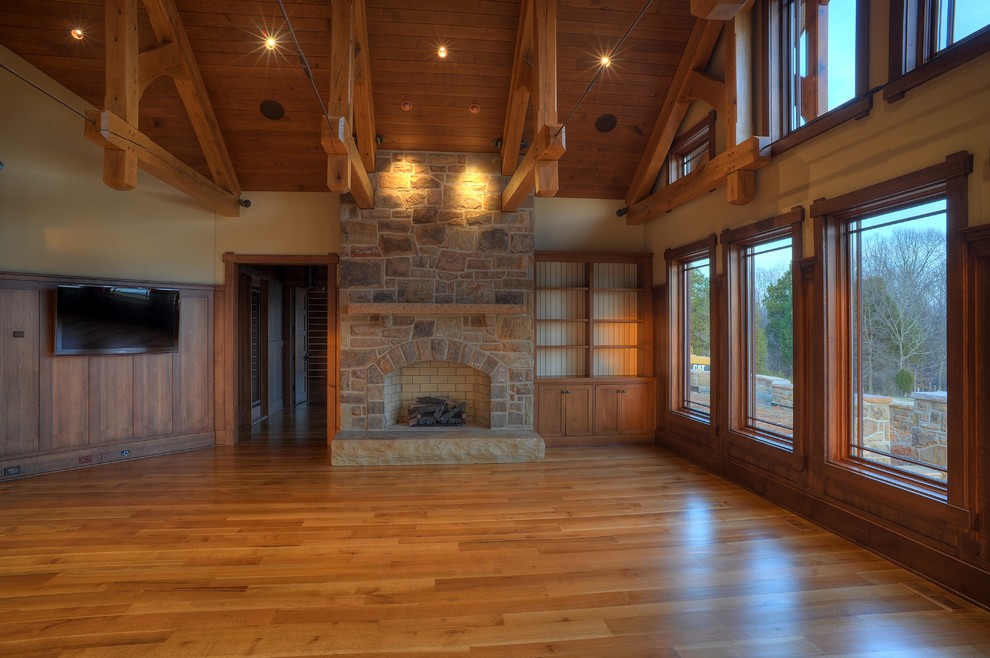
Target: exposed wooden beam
{"points": [[545, 52], [122, 96], [364, 104], [748, 156], [717, 10], [539, 170], [113, 133], [741, 185], [519, 94], [548, 146], [168, 28], [697, 52], [346, 169], [341, 99]]}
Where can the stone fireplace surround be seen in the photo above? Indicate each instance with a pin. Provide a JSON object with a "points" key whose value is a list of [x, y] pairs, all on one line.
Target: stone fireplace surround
{"points": [[436, 272]]}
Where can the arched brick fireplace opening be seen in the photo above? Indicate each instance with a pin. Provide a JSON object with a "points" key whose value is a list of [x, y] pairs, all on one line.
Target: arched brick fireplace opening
{"points": [[383, 373]]}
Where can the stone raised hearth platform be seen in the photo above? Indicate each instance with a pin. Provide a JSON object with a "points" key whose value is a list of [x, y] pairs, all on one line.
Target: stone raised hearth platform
{"points": [[430, 446]]}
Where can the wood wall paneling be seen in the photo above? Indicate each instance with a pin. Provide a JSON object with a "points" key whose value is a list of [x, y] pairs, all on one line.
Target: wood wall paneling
{"points": [[195, 365], [70, 408], [111, 399], [19, 352], [153, 404]]}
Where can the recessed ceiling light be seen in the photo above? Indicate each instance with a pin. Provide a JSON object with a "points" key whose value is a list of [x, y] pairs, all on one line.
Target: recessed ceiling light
{"points": [[606, 123], [272, 110], [442, 52], [474, 108], [77, 34], [606, 61], [406, 106], [270, 43]]}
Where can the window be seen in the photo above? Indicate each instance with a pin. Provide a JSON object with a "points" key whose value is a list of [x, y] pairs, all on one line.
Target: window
{"points": [[930, 37], [762, 369], [931, 26], [692, 149], [692, 337], [893, 262], [897, 327], [817, 64]]}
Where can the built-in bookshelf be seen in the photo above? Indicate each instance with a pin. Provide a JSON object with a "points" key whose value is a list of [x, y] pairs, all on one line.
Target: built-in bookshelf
{"points": [[592, 315]]}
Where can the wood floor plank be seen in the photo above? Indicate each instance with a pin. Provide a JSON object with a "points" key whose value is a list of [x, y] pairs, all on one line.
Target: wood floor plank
{"points": [[264, 549]]}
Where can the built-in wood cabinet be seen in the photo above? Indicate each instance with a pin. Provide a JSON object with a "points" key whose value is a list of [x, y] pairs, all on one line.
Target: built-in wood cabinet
{"points": [[564, 409], [594, 335]]}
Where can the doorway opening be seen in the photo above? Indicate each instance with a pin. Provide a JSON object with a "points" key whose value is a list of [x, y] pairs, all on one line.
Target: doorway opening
{"points": [[277, 342]]}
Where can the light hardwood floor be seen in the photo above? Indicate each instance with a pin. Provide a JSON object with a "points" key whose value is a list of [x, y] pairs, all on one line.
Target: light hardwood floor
{"points": [[265, 550]]}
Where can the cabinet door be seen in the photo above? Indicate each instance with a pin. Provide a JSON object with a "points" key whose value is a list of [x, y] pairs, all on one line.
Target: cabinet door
{"points": [[622, 408], [634, 409], [550, 410], [577, 410], [607, 413]]}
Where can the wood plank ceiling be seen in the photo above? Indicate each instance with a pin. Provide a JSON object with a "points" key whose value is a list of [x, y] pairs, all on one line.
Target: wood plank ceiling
{"points": [[286, 155]]}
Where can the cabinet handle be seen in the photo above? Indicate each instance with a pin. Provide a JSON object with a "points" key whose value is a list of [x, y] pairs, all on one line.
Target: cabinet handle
{"points": [[566, 391]]}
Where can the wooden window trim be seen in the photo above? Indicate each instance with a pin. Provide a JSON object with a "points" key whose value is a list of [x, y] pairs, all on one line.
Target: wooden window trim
{"points": [[686, 423], [757, 447], [855, 109], [900, 81], [698, 134], [944, 180]]}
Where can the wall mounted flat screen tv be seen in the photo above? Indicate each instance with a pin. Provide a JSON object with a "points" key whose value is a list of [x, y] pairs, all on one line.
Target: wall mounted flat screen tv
{"points": [[115, 320]]}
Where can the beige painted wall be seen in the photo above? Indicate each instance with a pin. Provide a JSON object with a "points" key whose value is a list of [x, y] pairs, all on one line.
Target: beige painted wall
{"points": [[584, 225], [57, 216], [946, 115]]}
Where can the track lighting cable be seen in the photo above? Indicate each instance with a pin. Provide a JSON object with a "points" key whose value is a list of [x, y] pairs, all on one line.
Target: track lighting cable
{"points": [[601, 67], [303, 61]]}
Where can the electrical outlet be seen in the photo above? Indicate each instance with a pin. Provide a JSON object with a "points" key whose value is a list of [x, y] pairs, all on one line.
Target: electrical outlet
{"points": [[125, 453], [107, 456], [11, 470], [86, 459]]}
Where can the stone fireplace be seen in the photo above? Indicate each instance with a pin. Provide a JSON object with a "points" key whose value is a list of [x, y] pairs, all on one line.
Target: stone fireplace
{"points": [[436, 273]]}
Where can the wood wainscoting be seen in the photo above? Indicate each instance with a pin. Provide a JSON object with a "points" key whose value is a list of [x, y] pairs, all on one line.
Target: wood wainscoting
{"points": [[59, 412]]}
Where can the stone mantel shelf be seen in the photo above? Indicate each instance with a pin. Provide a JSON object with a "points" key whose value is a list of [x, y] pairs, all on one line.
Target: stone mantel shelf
{"points": [[398, 308]]}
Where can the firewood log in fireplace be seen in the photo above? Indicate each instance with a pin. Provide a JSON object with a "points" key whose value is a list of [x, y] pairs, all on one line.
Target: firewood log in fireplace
{"points": [[430, 410]]}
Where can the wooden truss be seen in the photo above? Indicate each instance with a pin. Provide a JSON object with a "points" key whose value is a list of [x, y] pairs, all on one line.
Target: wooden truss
{"points": [[732, 100], [128, 74], [534, 76], [350, 107]]}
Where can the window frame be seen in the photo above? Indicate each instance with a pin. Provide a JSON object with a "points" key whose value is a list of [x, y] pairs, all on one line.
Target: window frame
{"points": [[735, 244], [906, 69], [945, 180], [776, 78], [700, 134], [696, 425]]}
